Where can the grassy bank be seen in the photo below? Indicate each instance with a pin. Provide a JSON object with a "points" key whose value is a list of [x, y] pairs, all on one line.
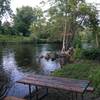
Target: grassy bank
{"points": [[82, 70], [13, 38], [16, 38]]}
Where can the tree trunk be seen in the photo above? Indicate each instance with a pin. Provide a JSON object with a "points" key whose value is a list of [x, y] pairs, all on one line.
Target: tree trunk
{"points": [[64, 38], [97, 41]]}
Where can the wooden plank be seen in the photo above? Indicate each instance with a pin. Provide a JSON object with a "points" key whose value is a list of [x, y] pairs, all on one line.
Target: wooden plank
{"points": [[74, 82], [57, 79], [53, 85], [56, 82], [12, 98]]}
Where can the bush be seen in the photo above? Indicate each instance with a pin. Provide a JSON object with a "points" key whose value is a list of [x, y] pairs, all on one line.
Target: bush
{"points": [[77, 53], [91, 54], [95, 77]]}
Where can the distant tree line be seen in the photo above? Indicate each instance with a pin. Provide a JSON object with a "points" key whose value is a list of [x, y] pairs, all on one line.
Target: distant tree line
{"points": [[70, 21]]}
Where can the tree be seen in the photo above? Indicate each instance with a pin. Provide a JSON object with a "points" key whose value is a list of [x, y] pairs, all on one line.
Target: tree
{"points": [[5, 8], [71, 16], [7, 29], [23, 19], [38, 26], [94, 25]]}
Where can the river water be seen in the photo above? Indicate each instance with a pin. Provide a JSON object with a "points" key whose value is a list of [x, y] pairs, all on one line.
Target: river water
{"points": [[19, 60]]}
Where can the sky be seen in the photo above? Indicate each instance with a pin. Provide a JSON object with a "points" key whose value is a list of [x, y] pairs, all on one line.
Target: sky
{"points": [[33, 3], [19, 3], [93, 1]]}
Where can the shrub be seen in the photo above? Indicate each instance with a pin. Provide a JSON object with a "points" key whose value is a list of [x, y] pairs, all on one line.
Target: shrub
{"points": [[91, 54], [77, 53], [95, 77]]}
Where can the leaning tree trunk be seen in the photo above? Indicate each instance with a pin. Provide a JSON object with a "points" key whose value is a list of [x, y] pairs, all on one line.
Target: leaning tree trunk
{"points": [[69, 33], [67, 37], [67, 40], [64, 38], [64, 42]]}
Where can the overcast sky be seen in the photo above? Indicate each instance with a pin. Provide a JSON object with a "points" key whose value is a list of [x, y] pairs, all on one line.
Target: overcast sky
{"points": [[93, 1], [33, 3], [19, 3]]}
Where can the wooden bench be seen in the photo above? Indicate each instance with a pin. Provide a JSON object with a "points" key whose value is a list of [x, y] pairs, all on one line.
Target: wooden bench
{"points": [[12, 98], [71, 85]]}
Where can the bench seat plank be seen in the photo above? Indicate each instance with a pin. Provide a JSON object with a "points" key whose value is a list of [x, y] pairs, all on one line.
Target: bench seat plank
{"points": [[56, 82]]}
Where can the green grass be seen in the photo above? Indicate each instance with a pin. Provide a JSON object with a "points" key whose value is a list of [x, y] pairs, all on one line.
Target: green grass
{"points": [[14, 38], [83, 70]]}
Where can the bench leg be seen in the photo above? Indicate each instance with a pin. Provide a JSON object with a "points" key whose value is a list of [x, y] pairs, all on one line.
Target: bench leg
{"points": [[76, 95], [30, 91], [37, 98], [46, 91], [72, 96], [36, 92], [82, 96]]}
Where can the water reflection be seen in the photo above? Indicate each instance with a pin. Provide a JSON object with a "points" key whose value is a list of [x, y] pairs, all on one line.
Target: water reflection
{"points": [[10, 67], [48, 66], [17, 61], [25, 58]]}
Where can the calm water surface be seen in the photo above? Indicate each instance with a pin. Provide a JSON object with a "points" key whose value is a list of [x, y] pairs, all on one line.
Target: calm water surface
{"points": [[17, 61]]}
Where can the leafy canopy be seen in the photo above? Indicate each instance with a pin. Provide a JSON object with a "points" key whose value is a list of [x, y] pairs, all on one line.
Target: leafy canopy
{"points": [[23, 19]]}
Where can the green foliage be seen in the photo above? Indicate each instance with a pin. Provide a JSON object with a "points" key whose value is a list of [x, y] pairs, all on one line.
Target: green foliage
{"points": [[77, 53], [78, 41], [95, 77], [83, 70], [13, 38], [92, 54], [7, 29], [76, 14], [23, 19], [38, 27], [78, 71]]}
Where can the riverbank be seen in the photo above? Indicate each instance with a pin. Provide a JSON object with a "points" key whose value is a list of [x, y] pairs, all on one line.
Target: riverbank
{"points": [[13, 39], [23, 39], [89, 70]]}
